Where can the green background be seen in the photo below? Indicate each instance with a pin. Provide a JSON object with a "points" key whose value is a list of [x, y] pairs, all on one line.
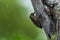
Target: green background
{"points": [[15, 23]]}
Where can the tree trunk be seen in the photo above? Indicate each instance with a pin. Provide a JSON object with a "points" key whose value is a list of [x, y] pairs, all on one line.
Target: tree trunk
{"points": [[41, 18]]}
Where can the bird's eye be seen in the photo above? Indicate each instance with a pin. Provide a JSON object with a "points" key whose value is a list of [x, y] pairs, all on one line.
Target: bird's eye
{"points": [[34, 14]]}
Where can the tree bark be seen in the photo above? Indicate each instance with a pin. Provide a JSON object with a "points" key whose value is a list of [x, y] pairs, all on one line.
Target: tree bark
{"points": [[41, 18], [41, 15]]}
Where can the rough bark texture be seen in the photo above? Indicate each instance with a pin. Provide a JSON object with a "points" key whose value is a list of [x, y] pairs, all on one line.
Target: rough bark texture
{"points": [[41, 15], [45, 19]]}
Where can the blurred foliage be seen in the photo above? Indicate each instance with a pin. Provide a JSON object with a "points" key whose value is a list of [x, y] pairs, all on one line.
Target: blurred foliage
{"points": [[53, 37], [15, 23]]}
